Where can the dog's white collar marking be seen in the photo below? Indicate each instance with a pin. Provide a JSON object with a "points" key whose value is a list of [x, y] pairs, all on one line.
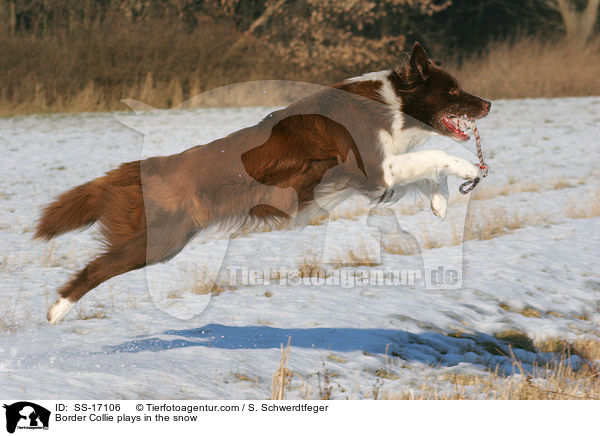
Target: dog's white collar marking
{"points": [[374, 75], [396, 140], [59, 310]]}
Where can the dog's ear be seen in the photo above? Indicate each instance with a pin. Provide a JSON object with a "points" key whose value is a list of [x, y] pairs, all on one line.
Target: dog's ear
{"points": [[419, 61]]}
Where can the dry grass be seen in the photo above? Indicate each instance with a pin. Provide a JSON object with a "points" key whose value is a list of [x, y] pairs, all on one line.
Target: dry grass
{"points": [[310, 266], [531, 312], [557, 379], [491, 222], [528, 311], [325, 387], [484, 223], [247, 378], [283, 376], [487, 192], [405, 245], [480, 224], [200, 281], [84, 313], [355, 257], [586, 207], [10, 262], [516, 339], [336, 358], [349, 212], [155, 62], [562, 184], [533, 68], [556, 382], [160, 64], [49, 257], [9, 321]]}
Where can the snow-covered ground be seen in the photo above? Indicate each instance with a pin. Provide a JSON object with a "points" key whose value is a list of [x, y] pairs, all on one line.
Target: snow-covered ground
{"points": [[129, 339]]}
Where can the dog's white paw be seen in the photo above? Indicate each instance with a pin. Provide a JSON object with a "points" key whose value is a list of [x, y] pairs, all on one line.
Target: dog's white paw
{"points": [[59, 309], [439, 205], [464, 169]]}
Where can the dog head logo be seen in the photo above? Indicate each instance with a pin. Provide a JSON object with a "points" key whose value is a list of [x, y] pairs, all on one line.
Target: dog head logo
{"points": [[26, 415]]}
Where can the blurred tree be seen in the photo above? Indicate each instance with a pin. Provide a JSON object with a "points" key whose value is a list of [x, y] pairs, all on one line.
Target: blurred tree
{"points": [[304, 29], [467, 26], [579, 18], [323, 34]]}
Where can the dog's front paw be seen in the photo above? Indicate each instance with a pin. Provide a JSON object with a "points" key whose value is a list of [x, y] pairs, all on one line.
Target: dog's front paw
{"points": [[464, 169], [439, 205]]}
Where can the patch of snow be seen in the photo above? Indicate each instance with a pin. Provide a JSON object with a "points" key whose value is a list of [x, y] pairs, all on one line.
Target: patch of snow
{"points": [[127, 347]]}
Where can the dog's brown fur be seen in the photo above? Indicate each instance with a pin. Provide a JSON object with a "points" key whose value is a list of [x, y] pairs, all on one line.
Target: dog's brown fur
{"points": [[148, 210]]}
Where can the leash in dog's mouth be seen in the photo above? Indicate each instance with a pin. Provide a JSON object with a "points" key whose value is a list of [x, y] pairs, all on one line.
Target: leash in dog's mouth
{"points": [[469, 185], [453, 123]]}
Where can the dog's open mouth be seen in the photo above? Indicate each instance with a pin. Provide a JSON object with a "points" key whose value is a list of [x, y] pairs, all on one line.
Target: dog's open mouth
{"points": [[457, 126]]}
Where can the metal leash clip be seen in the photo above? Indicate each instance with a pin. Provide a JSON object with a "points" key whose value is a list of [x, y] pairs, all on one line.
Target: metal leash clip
{"points": [[469, 185]]}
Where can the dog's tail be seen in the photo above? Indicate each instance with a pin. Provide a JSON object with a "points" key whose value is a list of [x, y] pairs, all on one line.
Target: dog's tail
{"points": [[74, 209]]}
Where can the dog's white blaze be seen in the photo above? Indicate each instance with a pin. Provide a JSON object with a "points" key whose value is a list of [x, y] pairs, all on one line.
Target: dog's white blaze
{"points": [[397, 140], [59, 310], [387, 93]]}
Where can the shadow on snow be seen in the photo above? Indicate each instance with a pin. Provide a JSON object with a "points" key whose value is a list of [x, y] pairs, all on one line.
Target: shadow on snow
{"points": [[430, 348]]}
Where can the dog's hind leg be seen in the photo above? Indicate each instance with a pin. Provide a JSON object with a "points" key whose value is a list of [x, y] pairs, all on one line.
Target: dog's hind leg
{"points": [[127, 254], [117, 260]]}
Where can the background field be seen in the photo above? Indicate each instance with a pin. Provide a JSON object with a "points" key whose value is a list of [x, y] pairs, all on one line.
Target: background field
{"points": [[80, 55], [530, 300]]}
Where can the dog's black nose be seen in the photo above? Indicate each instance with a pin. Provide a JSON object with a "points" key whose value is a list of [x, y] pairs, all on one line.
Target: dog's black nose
{"points": [[487, 105]]}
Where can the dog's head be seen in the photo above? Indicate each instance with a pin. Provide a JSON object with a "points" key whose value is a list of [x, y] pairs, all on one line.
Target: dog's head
{"points": [[432, 96]]}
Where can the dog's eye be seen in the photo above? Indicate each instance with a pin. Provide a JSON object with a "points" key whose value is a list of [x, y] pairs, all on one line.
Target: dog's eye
{"points": [[453, 91]]}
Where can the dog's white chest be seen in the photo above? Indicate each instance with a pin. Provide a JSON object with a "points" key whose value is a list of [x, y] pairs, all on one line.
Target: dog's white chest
{"points": [[400, 141]]}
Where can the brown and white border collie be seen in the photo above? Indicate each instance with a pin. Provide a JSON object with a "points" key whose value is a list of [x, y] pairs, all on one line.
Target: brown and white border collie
{"points": [[359, 135]]}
